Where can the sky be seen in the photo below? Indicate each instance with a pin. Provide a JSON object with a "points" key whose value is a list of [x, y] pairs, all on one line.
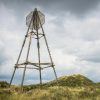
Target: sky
{"points": [[72, 28]]}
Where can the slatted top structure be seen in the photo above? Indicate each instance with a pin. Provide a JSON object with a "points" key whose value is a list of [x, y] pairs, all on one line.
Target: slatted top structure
{"points": [[35, 19]]}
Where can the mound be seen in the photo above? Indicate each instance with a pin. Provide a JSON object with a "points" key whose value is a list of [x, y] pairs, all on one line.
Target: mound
{"points": [[73, 81]]}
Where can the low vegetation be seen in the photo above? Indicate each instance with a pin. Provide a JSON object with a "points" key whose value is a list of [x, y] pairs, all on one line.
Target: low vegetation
{"points": [[75, 87]]}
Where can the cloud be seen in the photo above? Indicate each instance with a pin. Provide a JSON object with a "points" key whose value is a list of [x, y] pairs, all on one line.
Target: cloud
{"points": [[76, 7], [9, 36], [3, 57], [73, 41], [79, 37], [76, 42]]}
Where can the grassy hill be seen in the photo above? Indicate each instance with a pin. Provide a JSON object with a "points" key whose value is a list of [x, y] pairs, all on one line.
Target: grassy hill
{"points": [[73, 81], [70, 81], [74, 87]]}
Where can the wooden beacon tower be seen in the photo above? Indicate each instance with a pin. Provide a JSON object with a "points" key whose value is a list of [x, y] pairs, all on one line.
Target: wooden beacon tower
{"points": [[34, 21]]}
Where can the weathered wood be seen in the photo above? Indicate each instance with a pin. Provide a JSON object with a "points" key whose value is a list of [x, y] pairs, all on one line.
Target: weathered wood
{"points": [[34, 33]]}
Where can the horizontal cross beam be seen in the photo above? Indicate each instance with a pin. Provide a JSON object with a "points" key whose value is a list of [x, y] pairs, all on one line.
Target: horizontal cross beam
{"points": [[34, 68]]}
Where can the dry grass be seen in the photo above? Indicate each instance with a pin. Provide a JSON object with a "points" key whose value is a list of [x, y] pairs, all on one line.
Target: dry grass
{"points": [[52, 93], [75, 87]]}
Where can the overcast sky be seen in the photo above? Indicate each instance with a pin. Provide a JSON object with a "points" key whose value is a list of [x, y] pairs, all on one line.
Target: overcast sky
{"points": [[72, 28]]}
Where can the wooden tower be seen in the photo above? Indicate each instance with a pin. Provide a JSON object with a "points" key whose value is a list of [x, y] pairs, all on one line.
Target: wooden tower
{"points": [[34, 21]]}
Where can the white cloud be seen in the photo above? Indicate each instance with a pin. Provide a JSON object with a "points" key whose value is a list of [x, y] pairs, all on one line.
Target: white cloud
{"points": [[74, 43]]}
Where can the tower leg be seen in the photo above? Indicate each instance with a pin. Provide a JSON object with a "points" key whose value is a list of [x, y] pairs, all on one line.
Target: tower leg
{"points": [[47, 46], [17, 61], [38, 47], [23, 77], [55, 73], [50, 56], [26, 61], [12, 76], [40, 76]]}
